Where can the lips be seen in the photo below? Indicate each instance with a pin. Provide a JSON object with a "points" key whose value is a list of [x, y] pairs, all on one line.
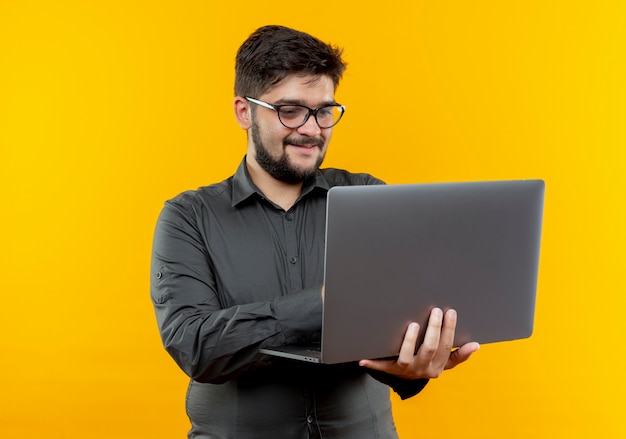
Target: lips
{"points": [[305, 150], [305, 143]]}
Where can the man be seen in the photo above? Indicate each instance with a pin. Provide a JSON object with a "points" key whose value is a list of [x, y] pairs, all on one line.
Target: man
{"points": [[239, 265]]}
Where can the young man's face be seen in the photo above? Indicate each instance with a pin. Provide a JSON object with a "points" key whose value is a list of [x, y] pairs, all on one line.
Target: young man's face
{"points": [[291, 154]]}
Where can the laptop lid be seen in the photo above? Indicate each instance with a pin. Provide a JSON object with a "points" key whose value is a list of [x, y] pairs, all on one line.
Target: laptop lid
{"points": [[394, 252]]}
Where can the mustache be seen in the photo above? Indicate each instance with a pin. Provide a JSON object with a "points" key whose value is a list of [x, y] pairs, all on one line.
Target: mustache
{"points": [[301, 141]]}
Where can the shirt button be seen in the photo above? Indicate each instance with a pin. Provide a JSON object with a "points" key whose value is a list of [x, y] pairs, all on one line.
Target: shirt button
{"points": [[309, 419], [289, 217], [293, 259]]}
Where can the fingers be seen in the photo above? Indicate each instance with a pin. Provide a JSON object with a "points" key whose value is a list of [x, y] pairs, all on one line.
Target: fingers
{"points": [[387, 366], [406, 357], [438, 330], [407, 350], [446, 341], [438, 340], [432, 337], [433, 356], [462, 354]]}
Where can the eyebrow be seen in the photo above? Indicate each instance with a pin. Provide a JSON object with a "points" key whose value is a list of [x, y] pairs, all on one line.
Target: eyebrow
{"points": [[299, 102]]}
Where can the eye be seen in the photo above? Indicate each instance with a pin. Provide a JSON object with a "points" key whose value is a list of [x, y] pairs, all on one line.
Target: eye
{"points": [[328, 114], [326, 111], [292, 112]]}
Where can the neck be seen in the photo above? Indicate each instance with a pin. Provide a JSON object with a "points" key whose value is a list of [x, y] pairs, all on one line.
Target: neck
{"points": [[278, 192]]}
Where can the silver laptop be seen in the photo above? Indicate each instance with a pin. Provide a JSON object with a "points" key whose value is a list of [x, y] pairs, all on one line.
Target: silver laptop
{"points": [[394, 252]]}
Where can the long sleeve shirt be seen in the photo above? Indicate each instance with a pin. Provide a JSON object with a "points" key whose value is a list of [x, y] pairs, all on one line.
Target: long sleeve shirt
{"points": [[232, 272]]}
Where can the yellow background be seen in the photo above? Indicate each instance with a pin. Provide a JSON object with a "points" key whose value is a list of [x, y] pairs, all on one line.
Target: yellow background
{"points": [[108, 108]]}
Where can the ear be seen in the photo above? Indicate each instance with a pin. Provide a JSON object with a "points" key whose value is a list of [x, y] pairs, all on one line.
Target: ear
{"points": [[242, 112]]}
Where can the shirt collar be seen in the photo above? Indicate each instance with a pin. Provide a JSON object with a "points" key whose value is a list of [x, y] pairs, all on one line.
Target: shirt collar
{"points": [[244, 188]]}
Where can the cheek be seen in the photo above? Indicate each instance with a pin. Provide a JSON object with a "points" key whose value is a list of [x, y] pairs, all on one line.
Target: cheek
{"points": [[274, 134], [327, 137]]}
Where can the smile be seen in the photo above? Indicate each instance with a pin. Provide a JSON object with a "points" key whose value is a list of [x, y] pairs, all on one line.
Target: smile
{"points": [[315, 143]]}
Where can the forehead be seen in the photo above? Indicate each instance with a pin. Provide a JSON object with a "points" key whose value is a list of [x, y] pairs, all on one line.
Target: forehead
{"points": [[306, 89]]}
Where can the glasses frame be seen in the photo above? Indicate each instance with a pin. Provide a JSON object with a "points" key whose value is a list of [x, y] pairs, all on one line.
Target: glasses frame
{"points": [[310, 111]]}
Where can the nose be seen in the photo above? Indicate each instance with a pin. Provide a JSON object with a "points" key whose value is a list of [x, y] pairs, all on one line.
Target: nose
{"points": [[310, 127]]}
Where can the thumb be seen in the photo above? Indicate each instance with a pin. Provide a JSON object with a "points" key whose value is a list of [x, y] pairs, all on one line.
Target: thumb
{"points": [[462, 354]]}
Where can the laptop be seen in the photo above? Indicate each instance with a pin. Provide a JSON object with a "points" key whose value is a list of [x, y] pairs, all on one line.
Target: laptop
{"points": [[393, 252]]}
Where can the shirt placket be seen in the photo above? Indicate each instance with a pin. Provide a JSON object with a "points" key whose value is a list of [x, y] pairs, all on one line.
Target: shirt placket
{"points": [[311, 416], [294, 267]]}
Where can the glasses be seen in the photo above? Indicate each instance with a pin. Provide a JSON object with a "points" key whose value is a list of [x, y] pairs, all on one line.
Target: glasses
{"points": [[294, 116]]}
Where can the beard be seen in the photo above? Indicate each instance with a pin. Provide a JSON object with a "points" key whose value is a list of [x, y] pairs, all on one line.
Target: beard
{"points": [[281, 167]]}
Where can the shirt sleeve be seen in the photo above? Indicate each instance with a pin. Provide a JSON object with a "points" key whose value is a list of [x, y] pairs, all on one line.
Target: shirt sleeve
{"points": [[210, 342], [404, 388]]}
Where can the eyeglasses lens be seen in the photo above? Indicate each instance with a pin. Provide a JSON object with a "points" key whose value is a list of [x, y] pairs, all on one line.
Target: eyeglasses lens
{"points": [[294, 116]]}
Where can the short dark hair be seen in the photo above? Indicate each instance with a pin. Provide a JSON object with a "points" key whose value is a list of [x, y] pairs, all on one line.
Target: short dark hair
{"points": [[271, 53]]}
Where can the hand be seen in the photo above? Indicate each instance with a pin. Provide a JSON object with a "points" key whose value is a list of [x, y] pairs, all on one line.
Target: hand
{"points": [[434, 355]]}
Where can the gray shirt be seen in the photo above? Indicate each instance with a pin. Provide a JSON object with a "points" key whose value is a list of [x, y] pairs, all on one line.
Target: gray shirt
{"points": [[232, 272]]}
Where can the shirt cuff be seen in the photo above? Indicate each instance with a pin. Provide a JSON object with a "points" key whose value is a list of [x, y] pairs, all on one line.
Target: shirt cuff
{"points": [[299, 315], [404, 388]]}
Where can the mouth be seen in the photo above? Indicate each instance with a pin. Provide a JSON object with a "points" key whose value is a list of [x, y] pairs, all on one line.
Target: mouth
{"points": [[306, 150], [307, 144]]}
